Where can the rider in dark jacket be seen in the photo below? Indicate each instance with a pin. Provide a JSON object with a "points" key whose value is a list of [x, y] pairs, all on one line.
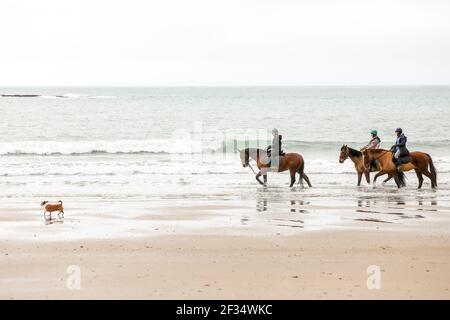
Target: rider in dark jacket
{"points": [[275, 147], [274, 150], [399, 148]]}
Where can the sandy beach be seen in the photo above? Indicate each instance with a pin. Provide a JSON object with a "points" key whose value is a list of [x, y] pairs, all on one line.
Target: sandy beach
{"points": [[328, 265], [232, 263]]}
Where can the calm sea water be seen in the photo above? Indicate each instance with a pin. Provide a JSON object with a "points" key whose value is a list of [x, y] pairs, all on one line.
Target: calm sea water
{"points": [[181, 142]]}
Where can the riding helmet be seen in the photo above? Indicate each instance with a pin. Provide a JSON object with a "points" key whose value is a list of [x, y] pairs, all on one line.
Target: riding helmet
{"points": [[374, 132], [399, 130]]}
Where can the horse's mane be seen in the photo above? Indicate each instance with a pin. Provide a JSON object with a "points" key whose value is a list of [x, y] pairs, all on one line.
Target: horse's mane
{"points": [[354, 153], [254, 150]]}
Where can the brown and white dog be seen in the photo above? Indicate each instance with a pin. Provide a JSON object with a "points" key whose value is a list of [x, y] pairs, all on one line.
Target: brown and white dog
{"points": [[48, 207]]}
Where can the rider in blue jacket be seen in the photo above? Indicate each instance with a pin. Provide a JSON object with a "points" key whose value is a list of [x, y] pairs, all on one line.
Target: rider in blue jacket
{"points": [[399, 148]]}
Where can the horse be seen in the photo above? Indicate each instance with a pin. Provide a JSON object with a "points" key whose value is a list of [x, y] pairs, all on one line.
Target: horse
{"points": [[420, 162], [293, 162], [357, 158]]}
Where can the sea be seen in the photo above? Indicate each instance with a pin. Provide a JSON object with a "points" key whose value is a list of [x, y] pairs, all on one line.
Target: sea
{"points": [[165, 147]]}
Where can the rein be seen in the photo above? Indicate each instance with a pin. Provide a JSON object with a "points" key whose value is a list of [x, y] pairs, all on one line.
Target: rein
{"points": [[251, 168], [382, 153]]}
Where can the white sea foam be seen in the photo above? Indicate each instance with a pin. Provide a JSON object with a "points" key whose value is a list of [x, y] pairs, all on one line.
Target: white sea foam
{"points": [[170, 146], [76, 96]]}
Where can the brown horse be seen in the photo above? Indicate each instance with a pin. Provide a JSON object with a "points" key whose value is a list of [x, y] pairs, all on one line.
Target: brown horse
{"points": [[290, 161], [357, 158], [420, 162]]}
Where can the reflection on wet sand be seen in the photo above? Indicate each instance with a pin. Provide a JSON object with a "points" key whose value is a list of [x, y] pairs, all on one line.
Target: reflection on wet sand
{"points": [[271, 202], [275, 203], [404, 209], [48, 219], [295, 205], [422, 203]]}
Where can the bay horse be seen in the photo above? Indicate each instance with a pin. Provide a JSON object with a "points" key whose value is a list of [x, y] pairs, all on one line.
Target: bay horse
{"points": [[358, 159], [293, 162], [420, 162]]}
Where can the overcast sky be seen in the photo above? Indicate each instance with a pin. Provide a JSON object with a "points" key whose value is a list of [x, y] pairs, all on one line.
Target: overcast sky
{"points": [[228, 42]]}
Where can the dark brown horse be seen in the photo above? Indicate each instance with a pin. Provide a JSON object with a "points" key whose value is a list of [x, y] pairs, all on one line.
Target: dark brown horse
{"points": [[420, 162], [358, 159], [290, 161]]}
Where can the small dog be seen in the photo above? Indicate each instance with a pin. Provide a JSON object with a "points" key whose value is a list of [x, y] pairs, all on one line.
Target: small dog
{"points": [[53, 207]]}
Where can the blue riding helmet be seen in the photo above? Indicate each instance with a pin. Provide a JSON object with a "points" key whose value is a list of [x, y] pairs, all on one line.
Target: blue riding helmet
{"points": [[374, 132], [399, 130]]}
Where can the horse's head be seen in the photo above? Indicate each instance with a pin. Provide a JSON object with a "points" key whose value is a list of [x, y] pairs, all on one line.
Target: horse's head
{"points": [[367, 158], [344, 154], [245, 158]]}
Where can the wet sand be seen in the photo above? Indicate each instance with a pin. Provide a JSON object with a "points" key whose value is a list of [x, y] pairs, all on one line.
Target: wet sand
{"points": [[323, 265], [212, 251]]}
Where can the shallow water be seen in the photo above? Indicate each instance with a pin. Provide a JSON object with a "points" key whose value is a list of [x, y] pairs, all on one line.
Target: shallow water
{"points": [[116, 154]]}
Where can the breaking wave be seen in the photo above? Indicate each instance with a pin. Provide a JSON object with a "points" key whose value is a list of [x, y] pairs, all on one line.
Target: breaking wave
{"points": [[89, 147], [172, 146], [63, 96]]}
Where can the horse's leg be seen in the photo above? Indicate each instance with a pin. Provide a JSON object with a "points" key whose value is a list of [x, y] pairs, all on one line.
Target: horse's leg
{"points": [[265, 178], [387, 179], [257, 177], [420, 178], [379, 174], [428, 174], [397, 181], [304, 176], [292, 172], [300, 179], [359, 178], [367, 174]]}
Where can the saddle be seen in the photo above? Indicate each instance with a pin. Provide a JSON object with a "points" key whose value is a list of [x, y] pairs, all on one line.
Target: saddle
{"points": [[269, 152], [402, 160]]}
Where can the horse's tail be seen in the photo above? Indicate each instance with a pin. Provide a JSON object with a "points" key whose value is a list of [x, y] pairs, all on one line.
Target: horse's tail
{"points": [[402, 178], [433, 171]]}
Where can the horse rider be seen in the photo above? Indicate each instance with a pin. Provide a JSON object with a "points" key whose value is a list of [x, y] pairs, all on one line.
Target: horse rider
{"points": [[399, 149], [274, 151], [374, 143]]}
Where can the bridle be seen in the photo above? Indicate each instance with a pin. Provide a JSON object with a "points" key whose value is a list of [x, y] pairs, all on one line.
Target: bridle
{"points": [[247, 161], [347, 155]]}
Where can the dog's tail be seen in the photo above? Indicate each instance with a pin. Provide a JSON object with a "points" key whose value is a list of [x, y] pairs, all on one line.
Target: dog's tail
{"points": [[60, 202]]}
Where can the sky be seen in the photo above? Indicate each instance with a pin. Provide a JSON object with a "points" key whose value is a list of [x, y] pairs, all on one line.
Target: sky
{"points": [[224, 43]]}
